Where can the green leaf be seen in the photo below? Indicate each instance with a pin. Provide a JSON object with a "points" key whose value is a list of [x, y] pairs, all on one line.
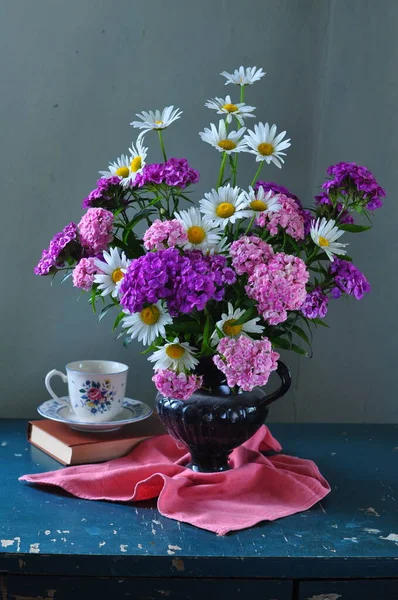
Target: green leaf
{"points": [[220, 333], [301, 333], [117, 320], [281, 343], [321, 256], [92, 300], [206, 334], [320, 322], [186, 327], [298, 350], [355, 228], [104, 311], [66, 276]]}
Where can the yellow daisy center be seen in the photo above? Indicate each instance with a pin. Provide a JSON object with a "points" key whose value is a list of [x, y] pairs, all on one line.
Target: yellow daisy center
{"points": [[230, 329], [230, 108], [122, 172], [227, 144], [323, 242], [117, 275], [258, 205], [225, 210], [175, 351], [150, 315], [136, 164], [158, 122], [265, 149], [196, 234]]}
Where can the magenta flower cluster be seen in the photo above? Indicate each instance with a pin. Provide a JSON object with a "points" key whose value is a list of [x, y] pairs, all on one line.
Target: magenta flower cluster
{"points": [[176, 385], [249, 251], [187, 281], [103, 194], [175, 172], [165, 234], [57, 251], [278, 286], [83, 273], [290, 217], [95, 230], [349, 177], [246, 362], [348, 279], [315, 304]]}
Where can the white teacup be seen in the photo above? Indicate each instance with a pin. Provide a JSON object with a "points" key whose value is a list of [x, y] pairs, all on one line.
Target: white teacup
{"points": [[96, 388]]}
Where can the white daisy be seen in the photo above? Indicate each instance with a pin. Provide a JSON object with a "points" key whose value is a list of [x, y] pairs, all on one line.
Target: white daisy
{"points": [[112, 271], [226, 325], [121, 168], [243, 76], [225, 205], [177, 355], [138, 154], [224, 106], [324, 234], [222, 140], [262, 202], [148, 324], [200, 231], [266, 145], [157, 119]]}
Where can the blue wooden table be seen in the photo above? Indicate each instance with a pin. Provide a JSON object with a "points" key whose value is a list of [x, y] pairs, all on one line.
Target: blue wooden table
{"points": [[55, 546]]}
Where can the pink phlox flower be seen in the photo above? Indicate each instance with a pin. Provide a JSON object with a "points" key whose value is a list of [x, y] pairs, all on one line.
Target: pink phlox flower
{"points": [[245, 362], [164, 234], [176, 385]]}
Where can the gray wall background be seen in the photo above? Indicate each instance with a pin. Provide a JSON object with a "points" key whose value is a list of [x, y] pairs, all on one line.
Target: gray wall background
{"points": [[73, 75]]}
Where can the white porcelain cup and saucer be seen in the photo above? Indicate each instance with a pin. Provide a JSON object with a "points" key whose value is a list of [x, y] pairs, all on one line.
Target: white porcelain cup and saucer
{"points": [[97, 397]]}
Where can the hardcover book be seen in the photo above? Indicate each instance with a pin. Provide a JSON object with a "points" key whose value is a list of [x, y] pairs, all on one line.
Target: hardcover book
{"points": [[71, 447]]}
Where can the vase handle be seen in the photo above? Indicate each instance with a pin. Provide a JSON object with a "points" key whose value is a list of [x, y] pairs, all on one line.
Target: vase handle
{"points": [[286, 380]]}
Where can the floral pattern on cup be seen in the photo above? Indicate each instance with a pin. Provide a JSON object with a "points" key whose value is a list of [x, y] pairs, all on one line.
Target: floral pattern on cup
{"points": [[97, 396]]}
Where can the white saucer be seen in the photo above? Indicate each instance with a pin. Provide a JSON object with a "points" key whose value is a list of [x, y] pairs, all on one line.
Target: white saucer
{"points": [[132, 411]]}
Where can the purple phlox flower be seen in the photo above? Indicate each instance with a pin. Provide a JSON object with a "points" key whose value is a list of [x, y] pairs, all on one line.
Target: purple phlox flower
{"points": [[104, 194], [58, 250], [175, 172], [315, 304], [348, 175], [185, 280], [348, 279]]}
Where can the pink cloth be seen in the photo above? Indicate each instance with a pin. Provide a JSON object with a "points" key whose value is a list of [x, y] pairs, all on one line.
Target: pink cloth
{"points": [[258, 488]]}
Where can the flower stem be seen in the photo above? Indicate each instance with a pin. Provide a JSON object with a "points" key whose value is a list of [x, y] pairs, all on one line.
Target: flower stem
{"points": [[250, 224], [242, 93], [162, 144], [235, 174], [257, 173], [222, 167]]}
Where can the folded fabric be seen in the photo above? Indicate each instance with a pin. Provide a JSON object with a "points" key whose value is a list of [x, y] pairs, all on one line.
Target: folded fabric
{"points": [[257, 488]]}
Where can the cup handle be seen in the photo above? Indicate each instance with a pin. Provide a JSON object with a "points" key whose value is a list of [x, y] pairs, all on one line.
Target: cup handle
{"points": [[48, 379]]}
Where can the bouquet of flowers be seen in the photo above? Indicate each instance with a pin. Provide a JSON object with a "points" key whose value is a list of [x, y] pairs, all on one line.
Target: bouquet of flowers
{"points": [[241, 273]]}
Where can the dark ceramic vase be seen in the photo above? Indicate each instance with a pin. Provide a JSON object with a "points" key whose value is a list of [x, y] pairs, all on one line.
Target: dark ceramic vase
{"points": [[212, 423]]}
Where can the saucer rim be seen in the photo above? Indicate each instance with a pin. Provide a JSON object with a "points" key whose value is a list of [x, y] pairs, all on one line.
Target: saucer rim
{"points": [[65, 400]]}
